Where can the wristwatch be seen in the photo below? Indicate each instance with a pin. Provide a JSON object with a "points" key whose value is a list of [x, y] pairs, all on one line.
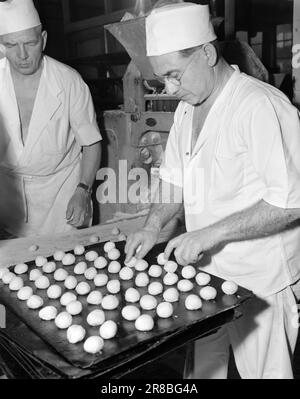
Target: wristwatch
{"points": [[85, 187]]}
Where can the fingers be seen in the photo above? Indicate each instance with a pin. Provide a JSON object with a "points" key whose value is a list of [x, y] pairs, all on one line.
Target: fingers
{"points": [[132, 243], [172, 244]]}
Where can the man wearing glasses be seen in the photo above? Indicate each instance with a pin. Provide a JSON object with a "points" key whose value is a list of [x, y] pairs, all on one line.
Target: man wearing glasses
{"points": [[238, 140]]}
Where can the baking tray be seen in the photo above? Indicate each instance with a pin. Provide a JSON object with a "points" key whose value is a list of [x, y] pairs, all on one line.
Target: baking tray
{"points": [[127, 338]]}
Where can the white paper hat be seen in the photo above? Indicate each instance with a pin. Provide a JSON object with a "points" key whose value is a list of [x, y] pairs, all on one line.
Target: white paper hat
{"points": [[17, 15], [177, 27]]}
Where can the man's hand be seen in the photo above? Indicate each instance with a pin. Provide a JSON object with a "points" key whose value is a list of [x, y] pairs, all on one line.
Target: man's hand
{"points": [[142, 240], [79, 208]]}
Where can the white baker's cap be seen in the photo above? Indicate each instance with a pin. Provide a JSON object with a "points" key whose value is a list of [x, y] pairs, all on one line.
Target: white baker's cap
{"points": [[177, 27], [17, 15]]}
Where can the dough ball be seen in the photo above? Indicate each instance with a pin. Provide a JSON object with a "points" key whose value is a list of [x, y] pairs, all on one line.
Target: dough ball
{"points": [[130, 312], [35, 302], [185, 285], [93, 344], [49, 267], [229, 287], [83, 288], [203, 278], [79, 250], [141, 265], [132, 262], [100, 280], [208, 293], [21, 268], [60, 274], [80, 268], [93, 239], [96, 318], [42, 283], [75, 334], [144, 323], [100, 262], [108, 246], [115, 231], [54, 291], [67, 298], [58, 255], [3, 271], [171, 295], [25, 293], [74, 308], [170, 266], [126, 273], [63, 320], [68, 259], [114, 267], [155, 271], [16, 284], [91, 256], [122, 237], [164, 310], [110, 302], [108, 329], [48, 313], [188, 272], [142, 280], [113, 286], [33, 248], [90, 273], [40, 261], [155, 288], [94, 298], [170, 279], [193, 302], [71, 282], [8, 277], [148, 302], [132, 295], [161, 260], [34, 274], [113, 254]]}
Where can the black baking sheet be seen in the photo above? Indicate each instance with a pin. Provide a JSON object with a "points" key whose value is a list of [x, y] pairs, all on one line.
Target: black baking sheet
{"points": [[127, 338]]}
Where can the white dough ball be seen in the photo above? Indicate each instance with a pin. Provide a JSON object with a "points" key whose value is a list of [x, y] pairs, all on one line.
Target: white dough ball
{"points": [[155, 288], [142, 280], [40, 261], [185, 285], [70, 282], [93, 344], [229, 287], [96, 318], [93, 239], [148, 302], [188, 272], [42, 283], [144, 323], [49, 267], [21, 268], [58, 255], [108, 329], [16, 284], [113, 286], [100, 280], [193, 302], [208, 293], [100, 262], [68, 259], [33, 248], [141, 265], [35, 302], [161, 260], [25, 293], [132, 295], [54, 291], [60, 274], [155, 271], [132, 262], [130, 312], [122, 237], [90, 273], [91, 256], [113, 254], [171, 295], [67, 298], [126, 273], [110, 302], [79, 250], [94, 298], [203, 278], [170, 266], [34, 274], [108, 246], [83, 288], [170, 279], [63, 320], [115, 231], [3, 271], [164, 310], [74, 308], [8, 277], [48, 313], [75, 333], [80, 268], [114, 267]]}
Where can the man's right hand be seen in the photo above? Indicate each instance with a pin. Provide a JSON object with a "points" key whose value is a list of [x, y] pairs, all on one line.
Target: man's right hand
{"points": [[143, 240]]}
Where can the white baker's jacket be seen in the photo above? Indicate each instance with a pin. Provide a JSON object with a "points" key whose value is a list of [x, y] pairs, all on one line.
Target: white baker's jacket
{"points": [[248, 150], [38, 179]]}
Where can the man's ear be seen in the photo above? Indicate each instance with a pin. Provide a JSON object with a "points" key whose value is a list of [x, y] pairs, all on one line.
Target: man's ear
{"points": [[2, 50], [211, 54], [45, 37]]}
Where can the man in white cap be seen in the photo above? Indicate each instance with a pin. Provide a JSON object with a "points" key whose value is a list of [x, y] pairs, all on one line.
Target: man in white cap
{"points": [[239, 138], [50, 142]]}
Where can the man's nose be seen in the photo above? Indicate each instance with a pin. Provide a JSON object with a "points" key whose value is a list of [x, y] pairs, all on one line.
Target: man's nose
{"points": [[171, 89], [23, 55]]}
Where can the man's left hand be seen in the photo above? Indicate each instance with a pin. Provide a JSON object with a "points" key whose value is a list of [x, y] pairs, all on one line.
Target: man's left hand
{"points": [[79, 208]]}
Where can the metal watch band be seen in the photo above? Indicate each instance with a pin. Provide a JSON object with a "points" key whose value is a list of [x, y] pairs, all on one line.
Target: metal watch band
{"points": [[85, 187]]}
